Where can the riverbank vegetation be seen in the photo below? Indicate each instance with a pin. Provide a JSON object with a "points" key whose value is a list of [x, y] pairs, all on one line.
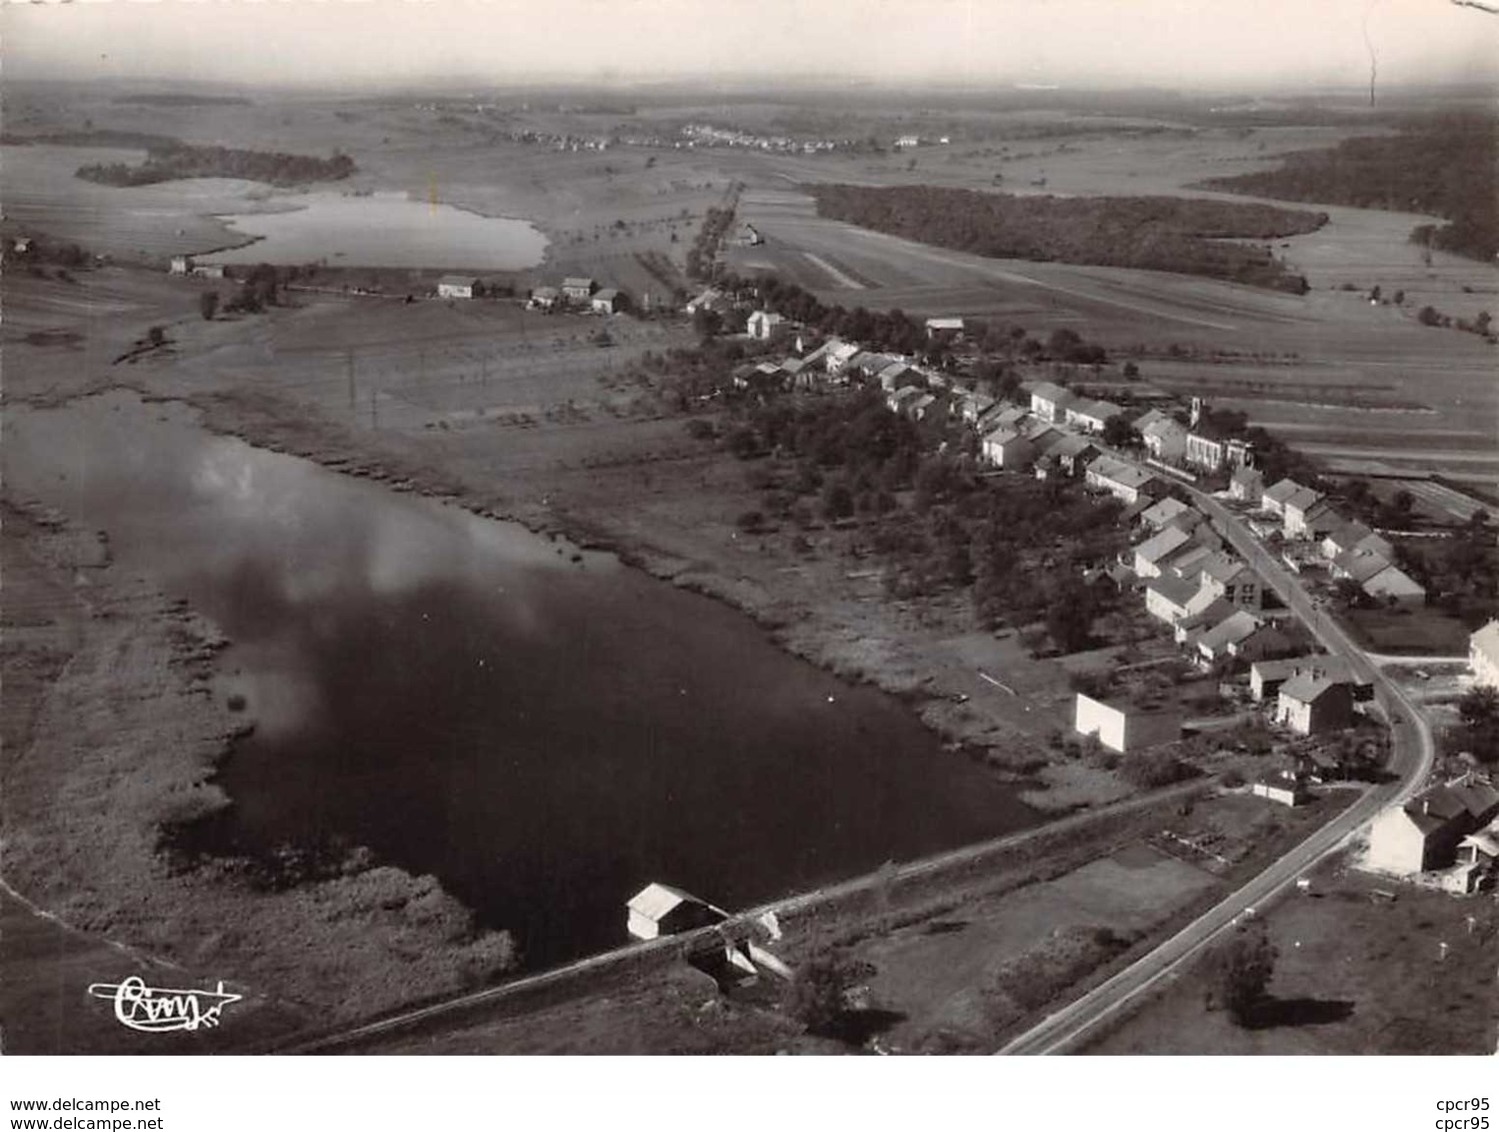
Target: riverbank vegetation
{"points": [[1190, 237], [178, 161], [1445, 165]]}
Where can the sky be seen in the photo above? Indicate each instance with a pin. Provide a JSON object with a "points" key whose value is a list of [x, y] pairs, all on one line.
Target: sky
{"points": [[1186, 44]]}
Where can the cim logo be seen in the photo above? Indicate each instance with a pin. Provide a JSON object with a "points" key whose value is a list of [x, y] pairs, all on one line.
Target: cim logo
{"points": [[155, 1010]]}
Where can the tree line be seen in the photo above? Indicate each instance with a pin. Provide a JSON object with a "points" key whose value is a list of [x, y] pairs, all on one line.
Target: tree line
{"points": [[178, 161], [1157, 233], [1445, 165]]}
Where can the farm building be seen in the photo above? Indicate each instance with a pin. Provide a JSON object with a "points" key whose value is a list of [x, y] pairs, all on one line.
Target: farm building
{"points": [[457, 287], [1312, 703], [748, 236], [610, 300], [1124, 728], [1483, 655], [181, 265], [658, 910], [1428, 831], [577, 288], [544, 298]]}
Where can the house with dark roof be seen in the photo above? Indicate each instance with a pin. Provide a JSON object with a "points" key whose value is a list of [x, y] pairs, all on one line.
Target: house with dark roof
{"points": [[1425, 833], [1071, 453], [1124, 482], [1313, 703]]}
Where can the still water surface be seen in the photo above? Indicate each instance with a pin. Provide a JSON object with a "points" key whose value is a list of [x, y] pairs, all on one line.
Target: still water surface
{"points": [[383, 230], [544, 730]]}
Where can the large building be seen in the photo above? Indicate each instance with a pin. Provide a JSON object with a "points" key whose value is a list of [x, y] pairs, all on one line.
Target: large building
{"points": [[1123, 728], [1313, 703]]}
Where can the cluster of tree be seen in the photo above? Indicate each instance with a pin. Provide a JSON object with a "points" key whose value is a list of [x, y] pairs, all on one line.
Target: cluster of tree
{"points": [[1477, 729], [178, 161], [259, 289], [1181, 235], [1239, 971], [1444, 165], [1481, 324], [703, 253]]}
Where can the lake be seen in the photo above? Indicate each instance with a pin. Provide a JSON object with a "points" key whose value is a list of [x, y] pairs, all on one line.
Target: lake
{"points": [[381, 230], [540, 727]]}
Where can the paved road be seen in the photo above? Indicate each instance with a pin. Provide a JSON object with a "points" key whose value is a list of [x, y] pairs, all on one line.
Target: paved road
{"points": [[1413, 750], [467, 1006]]}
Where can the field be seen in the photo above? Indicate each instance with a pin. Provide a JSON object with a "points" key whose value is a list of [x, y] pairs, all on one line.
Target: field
{"points": [[1355, 975]]}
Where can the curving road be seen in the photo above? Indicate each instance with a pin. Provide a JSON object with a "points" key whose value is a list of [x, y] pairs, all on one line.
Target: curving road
{"points": [[1413, 750]]}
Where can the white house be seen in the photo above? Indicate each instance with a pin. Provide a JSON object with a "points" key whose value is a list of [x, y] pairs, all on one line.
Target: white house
{"points": [[1483, 655], [1150, 554], [1426, 832], [763, 325], [1049, 402], [1311, 703], [1173, 600], [1123, 728], [1246, 485], [1004, 447], [456, 287], [1289, 788], [181, 264], [577, 288], [1274, 497], [1167, 511], [658, 910], [610, 300], [1295, 508], [1091, 416]]}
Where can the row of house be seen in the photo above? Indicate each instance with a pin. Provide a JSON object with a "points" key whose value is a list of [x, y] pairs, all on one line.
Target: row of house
{"points": [[575, 291], [1346, 547]]}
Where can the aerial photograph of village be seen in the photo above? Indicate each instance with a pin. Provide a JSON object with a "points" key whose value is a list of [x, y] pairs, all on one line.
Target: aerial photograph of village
{"points": [[815, 529]]}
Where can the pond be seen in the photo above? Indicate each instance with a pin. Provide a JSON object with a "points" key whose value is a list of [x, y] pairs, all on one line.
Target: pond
{"points": [[381, 230], [540, 727]]}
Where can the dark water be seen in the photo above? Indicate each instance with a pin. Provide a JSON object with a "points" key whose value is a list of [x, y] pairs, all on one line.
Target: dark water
{"points": [[544, 735]]}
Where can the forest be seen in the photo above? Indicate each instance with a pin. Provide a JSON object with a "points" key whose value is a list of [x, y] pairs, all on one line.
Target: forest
{"points": [[1185, 236], [1442, 166], [177, 161]]}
